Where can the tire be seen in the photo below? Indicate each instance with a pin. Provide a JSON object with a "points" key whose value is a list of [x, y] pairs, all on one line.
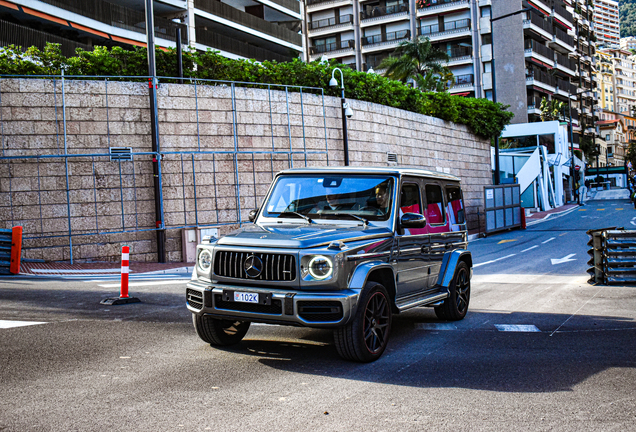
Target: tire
{"points": [[455, 306], [365, 338], [219, 332]]}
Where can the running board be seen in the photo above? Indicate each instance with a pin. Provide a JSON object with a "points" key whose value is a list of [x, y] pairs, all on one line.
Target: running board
{"points": [[426, 299]]}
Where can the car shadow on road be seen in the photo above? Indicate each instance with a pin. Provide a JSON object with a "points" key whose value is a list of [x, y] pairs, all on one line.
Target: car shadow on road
{"points": [[474, 354]]}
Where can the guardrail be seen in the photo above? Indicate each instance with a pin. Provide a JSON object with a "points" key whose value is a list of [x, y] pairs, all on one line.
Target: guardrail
{"points": [[612, 256]]}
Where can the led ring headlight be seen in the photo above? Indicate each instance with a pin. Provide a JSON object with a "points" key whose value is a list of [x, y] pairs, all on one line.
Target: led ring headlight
{"points": [[205, 260], [320, 267]]}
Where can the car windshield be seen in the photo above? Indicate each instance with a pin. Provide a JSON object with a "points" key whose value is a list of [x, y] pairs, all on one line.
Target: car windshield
{"points": [[331, 197]]}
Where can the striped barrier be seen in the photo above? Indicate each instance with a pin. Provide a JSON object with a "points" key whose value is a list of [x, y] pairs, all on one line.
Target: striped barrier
{"points": [[123, 298], [10, 250], [612, 256]]}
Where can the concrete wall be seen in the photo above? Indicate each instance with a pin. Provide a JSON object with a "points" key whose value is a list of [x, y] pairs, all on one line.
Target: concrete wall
{"points": [[33, 192]]}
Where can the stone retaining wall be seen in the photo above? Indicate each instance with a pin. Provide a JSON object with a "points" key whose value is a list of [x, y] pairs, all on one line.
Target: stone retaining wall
{"points": [[266, 125]]}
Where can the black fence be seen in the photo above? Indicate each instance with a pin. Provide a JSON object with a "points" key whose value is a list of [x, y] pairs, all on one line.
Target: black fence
{"points": [[26, 37], [235, 46]]}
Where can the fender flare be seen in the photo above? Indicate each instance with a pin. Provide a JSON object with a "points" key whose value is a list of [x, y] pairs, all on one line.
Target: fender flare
{"points": [[449, 264], [361, 273]]}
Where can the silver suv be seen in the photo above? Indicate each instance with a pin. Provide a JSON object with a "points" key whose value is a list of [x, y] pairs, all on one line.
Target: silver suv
{"points": [[342, 248]]}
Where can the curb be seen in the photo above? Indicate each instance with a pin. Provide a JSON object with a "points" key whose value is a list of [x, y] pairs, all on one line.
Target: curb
{"points": [[555, 214]]}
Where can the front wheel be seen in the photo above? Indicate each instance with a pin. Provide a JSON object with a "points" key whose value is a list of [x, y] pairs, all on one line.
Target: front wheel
{"points": [[455, 306], [220, 332], [365, 338]]}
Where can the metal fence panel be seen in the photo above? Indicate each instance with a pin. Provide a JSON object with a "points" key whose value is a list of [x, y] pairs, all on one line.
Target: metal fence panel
{"points": [[502, 207]]}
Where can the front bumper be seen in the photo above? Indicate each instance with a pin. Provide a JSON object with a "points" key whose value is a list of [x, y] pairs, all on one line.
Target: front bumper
{"points": [[288, 307]]}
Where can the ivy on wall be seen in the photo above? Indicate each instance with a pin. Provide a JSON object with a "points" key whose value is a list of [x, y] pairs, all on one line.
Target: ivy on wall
{"points": [[484, 117]]}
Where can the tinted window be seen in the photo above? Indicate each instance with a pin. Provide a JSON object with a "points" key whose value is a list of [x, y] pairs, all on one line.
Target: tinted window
{"points": [[455, 207], [410, 199], [434, 205]]}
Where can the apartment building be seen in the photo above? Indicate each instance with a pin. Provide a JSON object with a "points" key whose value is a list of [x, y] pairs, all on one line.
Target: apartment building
{"points": [[361, 33], [607, 82], [606, 23], [624, 79], [628, 43], [260, 29]]}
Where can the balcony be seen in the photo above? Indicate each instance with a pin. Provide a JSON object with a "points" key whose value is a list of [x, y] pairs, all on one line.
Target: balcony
{"points": [[562, 16], [252, 22], [121, 17], [234, 46], [464, 81], [389, 39], [429, 7], [327, 48], [313, 5], [564, 64], [459, 55], [538, 25], [534, 105], [459, 28], [562, 41], [540, 53], [337, 22], [376, 13], [537, 78]]}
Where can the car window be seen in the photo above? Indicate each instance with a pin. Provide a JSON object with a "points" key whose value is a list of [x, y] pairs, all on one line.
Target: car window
{"points": [[410, 202], [455, 207], [435, 214]]}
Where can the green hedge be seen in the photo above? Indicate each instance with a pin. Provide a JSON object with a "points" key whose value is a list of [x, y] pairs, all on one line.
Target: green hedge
{"points": [[485, 118]]}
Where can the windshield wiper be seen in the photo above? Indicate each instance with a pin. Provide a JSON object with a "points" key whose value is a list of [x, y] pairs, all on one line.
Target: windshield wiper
{"points": [[300, 215], [365, 221]]}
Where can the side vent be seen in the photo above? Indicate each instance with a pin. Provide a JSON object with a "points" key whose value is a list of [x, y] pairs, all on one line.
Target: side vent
{"points": [[120, 153], [392, 158]]}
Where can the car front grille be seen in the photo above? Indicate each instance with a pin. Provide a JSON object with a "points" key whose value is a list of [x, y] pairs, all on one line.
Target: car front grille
{"points": [[320, 311], [195, 299], [275, 308], [275, 267]]}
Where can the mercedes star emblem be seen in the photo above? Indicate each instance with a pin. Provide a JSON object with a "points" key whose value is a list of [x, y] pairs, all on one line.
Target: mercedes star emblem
{"points": [[253, 266]]}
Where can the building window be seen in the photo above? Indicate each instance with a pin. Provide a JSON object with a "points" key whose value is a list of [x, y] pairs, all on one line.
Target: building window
{"points": [[488, 94]]}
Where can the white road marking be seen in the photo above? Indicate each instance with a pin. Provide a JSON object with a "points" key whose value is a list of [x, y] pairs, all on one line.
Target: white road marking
{"points": [[4, 324], [532, 247], [562, 260], [548, 240], [517, 328], [159, 282], [492, 261], [436, 326]]}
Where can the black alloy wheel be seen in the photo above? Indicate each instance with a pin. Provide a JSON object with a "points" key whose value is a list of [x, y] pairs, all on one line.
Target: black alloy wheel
{"points": [[366, 336], [455, 306]]}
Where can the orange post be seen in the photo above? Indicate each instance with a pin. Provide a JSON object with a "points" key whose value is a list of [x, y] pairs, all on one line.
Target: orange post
{"points": [[16, 249], [523, 218], [125, 253]]}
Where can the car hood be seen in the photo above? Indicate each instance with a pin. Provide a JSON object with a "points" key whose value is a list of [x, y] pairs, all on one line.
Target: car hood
{"points": [[299, 236]]}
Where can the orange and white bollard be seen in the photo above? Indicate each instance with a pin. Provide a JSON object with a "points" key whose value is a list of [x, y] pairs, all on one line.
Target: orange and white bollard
{"points": [[123, 298]]}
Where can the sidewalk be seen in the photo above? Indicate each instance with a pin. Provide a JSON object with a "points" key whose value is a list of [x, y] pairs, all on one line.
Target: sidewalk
{"points": [[538, 216], [100, 268]]}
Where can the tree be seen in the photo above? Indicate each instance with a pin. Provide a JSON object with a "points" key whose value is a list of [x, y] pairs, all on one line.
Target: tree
{"points": [[420, 61], [588, 146], [631, 153], [551, 109]]}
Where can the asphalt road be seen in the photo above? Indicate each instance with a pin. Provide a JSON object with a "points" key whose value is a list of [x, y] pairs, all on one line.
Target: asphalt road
{"points": [[539, 350]]}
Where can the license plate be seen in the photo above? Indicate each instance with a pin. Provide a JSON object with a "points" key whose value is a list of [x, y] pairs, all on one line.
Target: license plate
{"points": [[244, 297]]}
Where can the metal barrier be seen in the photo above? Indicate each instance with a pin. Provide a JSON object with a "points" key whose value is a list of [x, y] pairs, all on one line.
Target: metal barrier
{"points": [[502, 206], [10, 250], [613, 256], [211, 174]]}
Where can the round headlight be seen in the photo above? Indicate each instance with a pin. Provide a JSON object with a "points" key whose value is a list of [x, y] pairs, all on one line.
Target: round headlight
{"points": [[205, 260], [320, 267]]}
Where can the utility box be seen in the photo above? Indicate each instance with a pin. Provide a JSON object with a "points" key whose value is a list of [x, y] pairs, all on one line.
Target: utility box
{"points": [[191, 237]]}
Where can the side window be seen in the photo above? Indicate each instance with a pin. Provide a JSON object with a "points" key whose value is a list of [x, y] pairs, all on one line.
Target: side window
{"points": [[455, 206], [410, 199], [434, 205]]}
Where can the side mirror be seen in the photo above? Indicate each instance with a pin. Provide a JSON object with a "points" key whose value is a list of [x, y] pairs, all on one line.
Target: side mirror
{"points": [[413, 220], [252, 215]]}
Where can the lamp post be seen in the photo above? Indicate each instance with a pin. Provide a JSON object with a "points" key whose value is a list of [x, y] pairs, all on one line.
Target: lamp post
{"points": [[494, 84], [346, 112]]}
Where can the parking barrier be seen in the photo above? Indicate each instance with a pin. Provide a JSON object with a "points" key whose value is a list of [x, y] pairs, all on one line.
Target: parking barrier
{"points": [[123, 298], [612, 256], [10, 250]]}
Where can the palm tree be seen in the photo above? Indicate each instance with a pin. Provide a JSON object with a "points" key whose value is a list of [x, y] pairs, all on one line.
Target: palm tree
{"points": [[420, 61]]}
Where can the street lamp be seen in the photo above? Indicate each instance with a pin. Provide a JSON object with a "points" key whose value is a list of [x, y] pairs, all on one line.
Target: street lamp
{"points": [[494, 84], [346, 112]]}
